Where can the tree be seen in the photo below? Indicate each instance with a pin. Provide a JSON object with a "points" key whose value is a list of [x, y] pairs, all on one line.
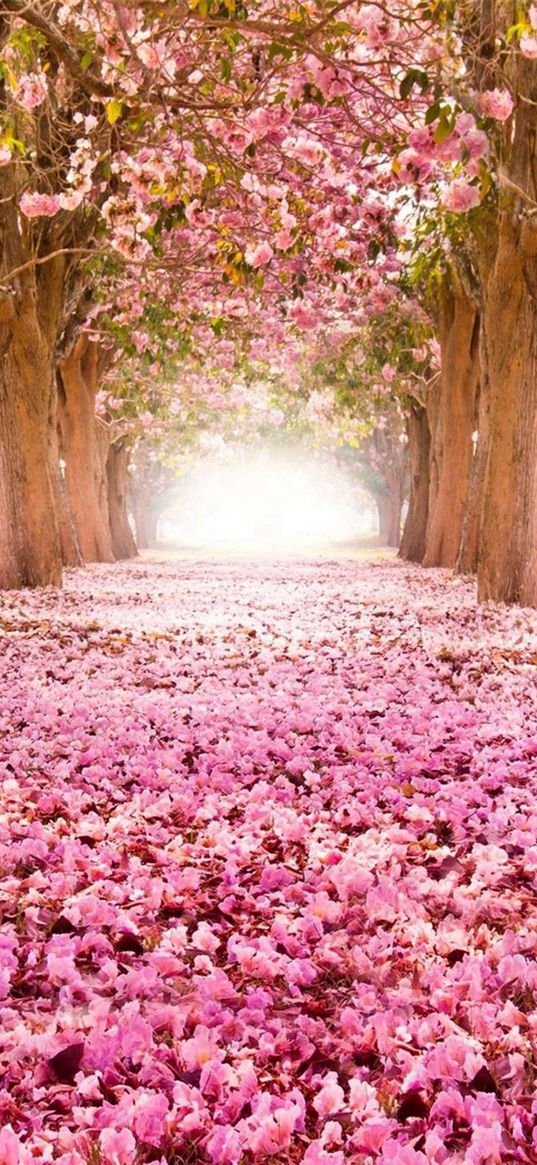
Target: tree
{"points": [[84, 442]]}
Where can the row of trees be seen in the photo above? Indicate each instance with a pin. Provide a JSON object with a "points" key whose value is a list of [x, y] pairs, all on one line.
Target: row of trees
{"points": [[149, 155], [206, 203], [469, 281]]}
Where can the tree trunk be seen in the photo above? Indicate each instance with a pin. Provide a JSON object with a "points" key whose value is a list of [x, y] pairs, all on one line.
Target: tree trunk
{"points": [[33, 541], [389, 506], [419, 442], [145, 521], [30, 546], [102, 445], [467, 562], [117, 464], [453, 424], [83, 473], [71, 555], [507, 568]]}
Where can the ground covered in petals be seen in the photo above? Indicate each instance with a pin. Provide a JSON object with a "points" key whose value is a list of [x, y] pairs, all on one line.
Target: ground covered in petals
{"points": [[268, 868]]}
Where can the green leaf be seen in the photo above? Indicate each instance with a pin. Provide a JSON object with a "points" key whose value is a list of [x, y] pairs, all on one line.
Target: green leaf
{"points": [[86, 60], [279, 50], [413, 77], [433, 112], [443, 130], [407, 84], [114, 109]]}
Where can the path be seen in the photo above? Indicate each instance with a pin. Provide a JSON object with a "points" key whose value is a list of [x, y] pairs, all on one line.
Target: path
{"points": [[268, 846]]}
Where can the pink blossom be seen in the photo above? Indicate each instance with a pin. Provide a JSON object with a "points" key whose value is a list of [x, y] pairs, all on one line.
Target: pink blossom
{"points": [[191, 1112], [118, 1147], [10, 1147], [31, 91], [205, 939], [224, 1146], [497, 103], [71, 199], [486, 1145], [39, 205], [150, 1111], [273, 1133], [393, 1153], [528, 45], [259, 255], [331, 1097], [461, 196], [202, 1047], [316, 1154]]}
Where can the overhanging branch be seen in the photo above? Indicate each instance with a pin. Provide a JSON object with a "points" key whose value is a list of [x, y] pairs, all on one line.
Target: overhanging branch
{"points": [[93, 85]]}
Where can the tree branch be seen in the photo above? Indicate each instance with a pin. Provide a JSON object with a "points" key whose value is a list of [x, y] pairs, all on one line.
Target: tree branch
{"points": [[45, 259], [88, 81]]}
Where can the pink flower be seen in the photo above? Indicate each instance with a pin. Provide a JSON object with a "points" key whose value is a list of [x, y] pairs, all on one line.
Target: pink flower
{"points": [[303, 315], [372, 1135], [224, 1146], [351, 877], [528, 46], [497, 103], [461, 196], [10, 1146], [363, 1098], [71, 200], [204, 938], [150, 1111], [119, 1147], [486, 1145], [191, 1112], [36, 205], [283, 240], [31, 91], [393, 1153], [62, 969], [316, 1154], [274, 1132], [203, 1046], [331, 1097], [258, 256]]}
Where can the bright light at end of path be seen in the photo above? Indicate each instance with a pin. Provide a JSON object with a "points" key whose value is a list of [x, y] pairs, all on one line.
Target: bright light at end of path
{"points": [[267, 501]]}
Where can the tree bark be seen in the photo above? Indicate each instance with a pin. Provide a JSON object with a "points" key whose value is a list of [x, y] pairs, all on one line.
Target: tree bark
{"points": [[507, 568], [34, 528], [468, 559], [123, 544], [71, 555], [145, 521], [419, 443], [453, 421], [83, 473], [102, 445], [30, 544], [389, 506]]}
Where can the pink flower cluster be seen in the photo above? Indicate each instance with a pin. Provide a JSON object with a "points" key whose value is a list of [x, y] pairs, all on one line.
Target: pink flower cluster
{"points": [[268, 868], [497, 103]]}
